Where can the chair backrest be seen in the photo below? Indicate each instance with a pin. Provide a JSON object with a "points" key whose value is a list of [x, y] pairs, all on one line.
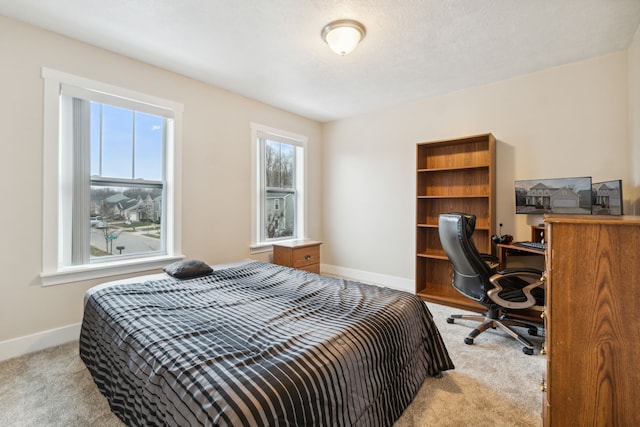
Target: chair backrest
{"points": [[470, 272]]}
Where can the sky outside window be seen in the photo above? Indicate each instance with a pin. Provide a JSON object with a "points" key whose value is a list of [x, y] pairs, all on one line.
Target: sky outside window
{"points": [[125, 144], [148, 151]]}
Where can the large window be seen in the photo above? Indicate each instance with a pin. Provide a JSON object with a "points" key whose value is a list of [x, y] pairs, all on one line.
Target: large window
{"points": [[127, 180], [110, 179], [279, 164]]}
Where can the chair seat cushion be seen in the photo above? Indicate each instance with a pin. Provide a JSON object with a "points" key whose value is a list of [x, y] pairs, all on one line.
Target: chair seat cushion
{"points": [[513, 291]]}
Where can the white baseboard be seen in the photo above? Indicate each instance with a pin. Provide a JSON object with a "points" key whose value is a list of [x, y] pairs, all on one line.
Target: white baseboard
{"points": [[30, 343], [393, 282]]}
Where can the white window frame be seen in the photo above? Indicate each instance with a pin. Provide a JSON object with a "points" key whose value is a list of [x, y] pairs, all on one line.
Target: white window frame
{"points": [[259, 132], [56, 186]]}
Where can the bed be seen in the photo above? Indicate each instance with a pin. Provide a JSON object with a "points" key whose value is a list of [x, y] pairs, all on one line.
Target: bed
{"points": [[257, 344]]}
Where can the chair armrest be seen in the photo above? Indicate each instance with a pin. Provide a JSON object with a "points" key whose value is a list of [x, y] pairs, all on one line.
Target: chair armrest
{"points": [[535, 279]]}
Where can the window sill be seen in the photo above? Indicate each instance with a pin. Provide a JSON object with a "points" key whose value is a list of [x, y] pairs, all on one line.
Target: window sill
{"points": [[268, 247], [260, 248], [105, 270]]}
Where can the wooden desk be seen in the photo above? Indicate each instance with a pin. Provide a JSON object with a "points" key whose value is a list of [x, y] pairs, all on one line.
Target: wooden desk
{"points": [[504, 251]]}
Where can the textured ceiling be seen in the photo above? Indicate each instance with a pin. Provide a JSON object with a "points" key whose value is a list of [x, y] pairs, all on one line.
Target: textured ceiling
{"points": [[271, 50]]}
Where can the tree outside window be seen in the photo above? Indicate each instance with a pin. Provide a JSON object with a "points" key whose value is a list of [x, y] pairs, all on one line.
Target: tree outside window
{"points": [[280, 202]]}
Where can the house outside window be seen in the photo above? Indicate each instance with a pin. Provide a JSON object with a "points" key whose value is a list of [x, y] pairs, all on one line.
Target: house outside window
{"points": [[110, 177], [278, 186]]}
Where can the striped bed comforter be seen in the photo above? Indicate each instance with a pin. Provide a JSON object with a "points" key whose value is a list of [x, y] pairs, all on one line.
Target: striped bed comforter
{"points": [[259, 345]]}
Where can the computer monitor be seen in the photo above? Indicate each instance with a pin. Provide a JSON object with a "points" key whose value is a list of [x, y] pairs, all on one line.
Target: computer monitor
{"points": [[606, 198], [556, 196]]}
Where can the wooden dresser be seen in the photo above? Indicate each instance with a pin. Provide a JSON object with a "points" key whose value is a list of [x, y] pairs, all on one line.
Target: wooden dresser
{"points": [[301, 254], [593, 321]]}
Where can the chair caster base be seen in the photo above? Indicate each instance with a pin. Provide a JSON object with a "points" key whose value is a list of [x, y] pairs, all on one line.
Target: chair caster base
{"points": [[528, 351], [468, 340], [449, 320]]}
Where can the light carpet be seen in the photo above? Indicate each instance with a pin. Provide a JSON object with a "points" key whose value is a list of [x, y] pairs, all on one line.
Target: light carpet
{"points": [[494, 384]]}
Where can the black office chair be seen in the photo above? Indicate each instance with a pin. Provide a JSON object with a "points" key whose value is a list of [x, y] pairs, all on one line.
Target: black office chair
{"points": [[499, 291]]}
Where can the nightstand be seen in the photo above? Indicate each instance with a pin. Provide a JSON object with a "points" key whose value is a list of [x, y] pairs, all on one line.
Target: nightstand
{"points": [[301, 254]]}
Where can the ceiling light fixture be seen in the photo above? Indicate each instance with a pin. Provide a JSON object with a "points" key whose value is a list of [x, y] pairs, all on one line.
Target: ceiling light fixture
{"points": [[343, 35]]}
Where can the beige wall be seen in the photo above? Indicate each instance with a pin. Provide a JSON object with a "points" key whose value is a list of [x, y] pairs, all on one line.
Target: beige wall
{"points": [[579, 119], [215, 176], [634, 118], [562, 122]]}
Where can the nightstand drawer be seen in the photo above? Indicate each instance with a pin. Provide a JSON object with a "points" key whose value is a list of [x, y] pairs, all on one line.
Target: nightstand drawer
{"points": [[306, 256], [301, 254]]}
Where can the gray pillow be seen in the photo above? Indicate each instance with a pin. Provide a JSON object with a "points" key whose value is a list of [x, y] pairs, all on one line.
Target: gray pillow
{"points": [[187, 268]]}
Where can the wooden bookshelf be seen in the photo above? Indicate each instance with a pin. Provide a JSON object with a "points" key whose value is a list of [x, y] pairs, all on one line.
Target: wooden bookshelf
{"points": [[456, 175]]}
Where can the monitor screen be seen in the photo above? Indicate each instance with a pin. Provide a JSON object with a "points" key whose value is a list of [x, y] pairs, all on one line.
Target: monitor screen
{"points": [[606, 198], [557, 196]]}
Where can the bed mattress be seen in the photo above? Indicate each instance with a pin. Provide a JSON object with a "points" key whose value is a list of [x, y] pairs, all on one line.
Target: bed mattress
{"points": [[257, 344]]}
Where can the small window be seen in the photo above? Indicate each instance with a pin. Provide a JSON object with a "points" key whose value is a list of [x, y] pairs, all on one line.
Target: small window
{"points": [[279, 171], [109, 175], [279, 159]]}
